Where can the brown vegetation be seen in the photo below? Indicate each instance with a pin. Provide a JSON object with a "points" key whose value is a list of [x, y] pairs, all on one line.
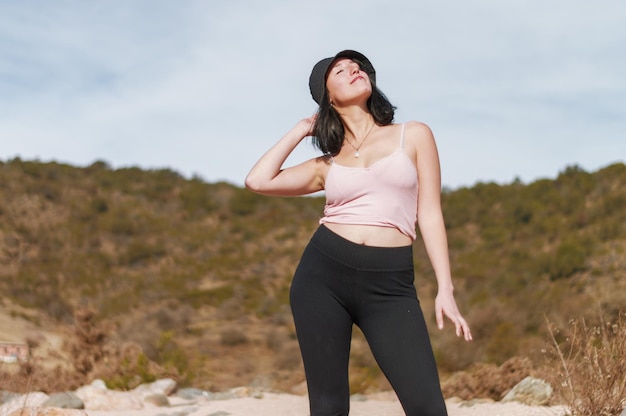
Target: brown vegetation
{"points": [[90, 356], [487, 380], [194, 277], [590, 365]]}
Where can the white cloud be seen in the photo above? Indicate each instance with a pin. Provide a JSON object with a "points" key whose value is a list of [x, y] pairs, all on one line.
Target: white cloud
{"points": [[510, 89]]}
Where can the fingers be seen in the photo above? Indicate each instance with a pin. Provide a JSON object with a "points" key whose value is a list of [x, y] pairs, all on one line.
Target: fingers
{"points": [[445, 306], [462, 329], [439, 318]]}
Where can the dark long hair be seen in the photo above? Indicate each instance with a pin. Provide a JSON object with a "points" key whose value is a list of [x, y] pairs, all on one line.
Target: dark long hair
{"points": [[328, 131]]}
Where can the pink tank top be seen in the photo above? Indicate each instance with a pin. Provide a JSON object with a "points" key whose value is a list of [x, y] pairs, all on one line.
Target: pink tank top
{"points": [[383, 194]]}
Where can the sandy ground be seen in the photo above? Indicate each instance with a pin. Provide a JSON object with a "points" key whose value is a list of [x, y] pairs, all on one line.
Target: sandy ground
{"points": [[291, 405]]}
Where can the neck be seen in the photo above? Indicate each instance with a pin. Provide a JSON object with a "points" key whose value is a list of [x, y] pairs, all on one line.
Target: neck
{"points": [[356, 121]]}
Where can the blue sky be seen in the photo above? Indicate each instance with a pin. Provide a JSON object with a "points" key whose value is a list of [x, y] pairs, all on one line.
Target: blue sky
{"points": [[515, 89]]}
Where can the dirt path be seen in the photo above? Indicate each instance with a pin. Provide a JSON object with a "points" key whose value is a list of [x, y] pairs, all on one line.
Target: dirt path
{"points": [[291, 405]]}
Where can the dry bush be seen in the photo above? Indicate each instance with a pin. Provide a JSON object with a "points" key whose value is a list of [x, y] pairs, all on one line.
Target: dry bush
{"points": [[289, 358], [31, 376], [87, 346], [126, 366], [231, 337], [591, 366], [275, 340], [487, 380], [121, 366]]}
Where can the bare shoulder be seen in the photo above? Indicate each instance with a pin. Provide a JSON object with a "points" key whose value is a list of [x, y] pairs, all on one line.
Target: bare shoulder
{"points": [[417, 131], [420, 145], [418, 138]]}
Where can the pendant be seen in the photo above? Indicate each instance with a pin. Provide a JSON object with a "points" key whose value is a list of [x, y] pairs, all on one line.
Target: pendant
{"points": [[356, 154]]}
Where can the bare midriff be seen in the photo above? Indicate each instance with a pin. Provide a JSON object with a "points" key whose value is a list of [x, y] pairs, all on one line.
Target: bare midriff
{"points": [[371, 235]]}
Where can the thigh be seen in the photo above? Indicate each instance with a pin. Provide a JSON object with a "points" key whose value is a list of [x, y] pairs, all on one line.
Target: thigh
{"points": [[324, 330], [394, 327]]}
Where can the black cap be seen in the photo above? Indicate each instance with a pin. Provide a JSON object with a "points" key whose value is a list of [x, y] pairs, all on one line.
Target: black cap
{"points": [[317, 80]]}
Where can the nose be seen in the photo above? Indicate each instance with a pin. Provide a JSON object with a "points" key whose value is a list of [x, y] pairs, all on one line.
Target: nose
{"points": [[355, 68]]}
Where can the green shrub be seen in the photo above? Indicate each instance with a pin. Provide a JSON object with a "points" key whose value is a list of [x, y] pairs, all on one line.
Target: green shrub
{"points": [[196, 198], [570, 257], [133, 370], [171, 355], [139, 251]]}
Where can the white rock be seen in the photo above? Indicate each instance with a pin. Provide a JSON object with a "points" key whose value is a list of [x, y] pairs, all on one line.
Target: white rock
{"points": [[165, 386], [530, 391], [97, 398], [99, 384]]}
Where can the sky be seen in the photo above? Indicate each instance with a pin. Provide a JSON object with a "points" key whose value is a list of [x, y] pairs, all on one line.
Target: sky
{"points": [[511, 89]]}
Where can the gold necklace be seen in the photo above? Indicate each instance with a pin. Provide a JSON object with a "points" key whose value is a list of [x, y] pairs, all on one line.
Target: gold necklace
{"points": [[356, 149]]}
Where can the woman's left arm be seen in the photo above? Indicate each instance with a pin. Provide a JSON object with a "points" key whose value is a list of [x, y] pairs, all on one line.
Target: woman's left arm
{"points": [[431, 224]]}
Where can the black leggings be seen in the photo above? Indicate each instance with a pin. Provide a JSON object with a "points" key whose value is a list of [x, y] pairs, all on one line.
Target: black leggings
{"points": [[339, 283]]}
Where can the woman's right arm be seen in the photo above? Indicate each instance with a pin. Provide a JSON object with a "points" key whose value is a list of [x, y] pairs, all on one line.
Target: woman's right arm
{"points": [[267, 176]]}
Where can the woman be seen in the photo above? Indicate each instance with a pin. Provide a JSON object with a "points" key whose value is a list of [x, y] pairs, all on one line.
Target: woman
{"points": [[358, 266]]}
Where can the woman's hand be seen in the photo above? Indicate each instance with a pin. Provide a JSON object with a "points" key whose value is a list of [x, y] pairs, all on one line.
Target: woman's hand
{"points": [[445, 305], [306, 125]]}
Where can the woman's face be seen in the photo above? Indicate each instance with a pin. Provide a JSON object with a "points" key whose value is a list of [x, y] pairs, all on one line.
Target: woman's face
{"points": [[347, 83]]}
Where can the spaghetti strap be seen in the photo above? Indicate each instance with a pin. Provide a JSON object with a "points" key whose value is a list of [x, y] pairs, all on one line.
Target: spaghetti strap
{"points": [[402, 137]]}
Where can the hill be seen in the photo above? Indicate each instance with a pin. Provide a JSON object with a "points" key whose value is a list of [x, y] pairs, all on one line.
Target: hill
{"points": [[198, 273]]}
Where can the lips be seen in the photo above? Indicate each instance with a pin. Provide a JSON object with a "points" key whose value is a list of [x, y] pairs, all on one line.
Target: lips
{"points": [[358, 77]]}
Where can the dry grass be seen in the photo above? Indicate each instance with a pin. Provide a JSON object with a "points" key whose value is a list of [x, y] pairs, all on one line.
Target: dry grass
{"points": [[487, 380], [31, 376], [122, 366], [591, 366]]}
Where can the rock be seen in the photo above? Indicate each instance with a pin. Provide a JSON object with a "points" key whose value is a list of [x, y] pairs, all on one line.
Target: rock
{"points": [[96, 396], [47, 411], [65, 400], [454, 400], [99, 384], [358, 398], [157, 399], [192, 394], [530, 391], [6, 396], [164, 386], [240, 392], [35, 399]]}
